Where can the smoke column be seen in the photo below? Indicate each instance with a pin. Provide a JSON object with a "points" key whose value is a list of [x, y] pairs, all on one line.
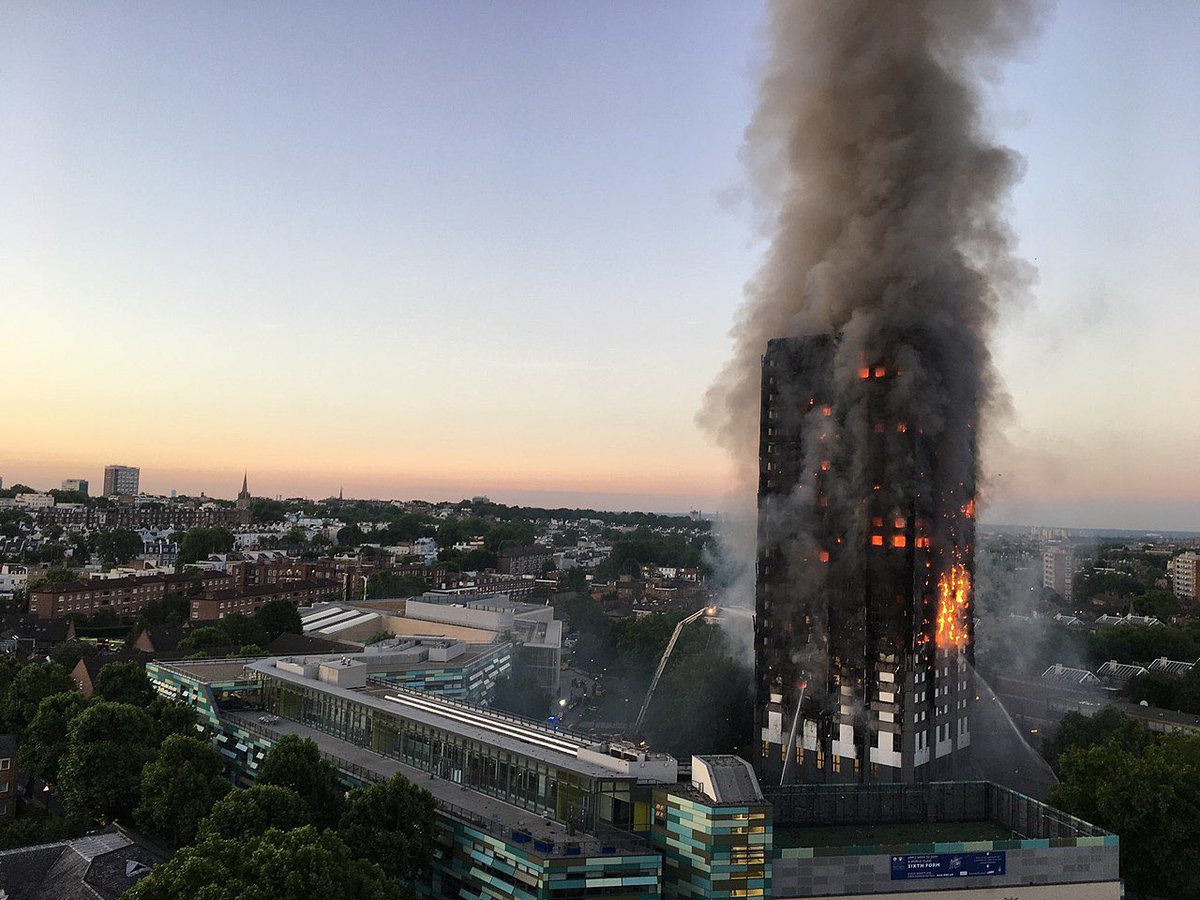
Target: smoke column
{"points": [[882, 196]]}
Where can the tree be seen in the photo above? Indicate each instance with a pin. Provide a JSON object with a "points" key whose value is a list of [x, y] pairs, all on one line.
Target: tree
{"points": [[295, 763], [46, 738], [60, 576], [276, 865], [263, 510], [389, 584], [107, 745], [1079, 732], [81, 553], [1167, 691], [574, 580], [246, 813], [68, 653], [171, 717], [198, 543], [1148, 798], [514, 533], [702, 704], [179, 788], [203, 638], [392, 824], [279, 616], [350, 536], [118, 546], [240, 628], [32, 684], [124, 682]]}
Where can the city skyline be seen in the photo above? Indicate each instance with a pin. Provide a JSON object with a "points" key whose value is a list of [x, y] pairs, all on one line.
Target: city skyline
{"points": [[497, 263]]}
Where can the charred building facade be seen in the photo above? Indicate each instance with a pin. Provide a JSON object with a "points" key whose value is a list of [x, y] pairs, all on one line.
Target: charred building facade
{"points": [[863, 625]]}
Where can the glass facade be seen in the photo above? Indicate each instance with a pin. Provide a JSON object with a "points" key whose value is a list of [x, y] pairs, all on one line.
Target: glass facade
{"points": [[473, 682], [541, 787]]}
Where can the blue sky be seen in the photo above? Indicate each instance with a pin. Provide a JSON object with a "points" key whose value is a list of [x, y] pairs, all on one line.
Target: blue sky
{"points": [[436, 249]]}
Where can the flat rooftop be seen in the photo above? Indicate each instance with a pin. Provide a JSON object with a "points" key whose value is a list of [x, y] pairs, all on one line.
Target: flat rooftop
{"points": [[211, 671], [471, 653], [522, 737]]}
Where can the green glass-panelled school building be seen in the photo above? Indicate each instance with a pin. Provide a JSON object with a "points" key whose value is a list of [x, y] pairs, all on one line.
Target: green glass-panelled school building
{"points": [[529, 812]]}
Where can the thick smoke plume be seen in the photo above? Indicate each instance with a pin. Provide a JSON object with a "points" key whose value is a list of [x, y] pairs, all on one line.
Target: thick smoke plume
{"points": [[883, 196]]}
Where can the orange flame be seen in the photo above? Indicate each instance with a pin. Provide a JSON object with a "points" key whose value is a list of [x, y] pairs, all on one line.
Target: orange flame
{"points": [[954, 596]]}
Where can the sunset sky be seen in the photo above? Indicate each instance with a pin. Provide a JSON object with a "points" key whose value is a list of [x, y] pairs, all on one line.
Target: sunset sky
{"points": [[438, 249]]}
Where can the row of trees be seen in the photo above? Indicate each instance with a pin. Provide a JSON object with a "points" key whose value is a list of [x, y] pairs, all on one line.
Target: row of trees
{"points": [[250, 633], [94, 749], [127, 755], [1021, 647], [294, 833], [1143, 787]]}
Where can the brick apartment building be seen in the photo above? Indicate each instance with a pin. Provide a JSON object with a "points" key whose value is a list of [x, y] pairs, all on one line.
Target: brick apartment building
{"points": [[528, 560], [218, 604], [125, 597], [347, 574]]}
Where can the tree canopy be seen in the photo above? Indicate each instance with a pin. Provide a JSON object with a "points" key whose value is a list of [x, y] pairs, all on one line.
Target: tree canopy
{"points": [[278, 616], [198, 543], [1150, 798], [107, 745], [296, 764], [392, 824], [245, 813], [118, 546], [31, 684], [45, 740], [276, 865], [124, 682], [179, 788]]}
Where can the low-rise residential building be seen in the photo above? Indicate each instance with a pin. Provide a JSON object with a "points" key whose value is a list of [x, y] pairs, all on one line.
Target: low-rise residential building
{"points": [[530, 560], [218, 604], [154, 515], [124, 597], [34, 501], [27, 635], [13, 578]]}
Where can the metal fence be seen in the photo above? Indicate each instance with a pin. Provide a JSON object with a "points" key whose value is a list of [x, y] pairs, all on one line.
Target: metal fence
{"points": [[815, 805]]}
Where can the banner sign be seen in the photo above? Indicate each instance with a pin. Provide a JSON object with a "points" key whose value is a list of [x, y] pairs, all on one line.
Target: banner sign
{"points": [[946, 865]]}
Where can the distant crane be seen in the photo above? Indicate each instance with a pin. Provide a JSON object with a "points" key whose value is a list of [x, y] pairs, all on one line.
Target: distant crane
{"points": [[662, 663]]}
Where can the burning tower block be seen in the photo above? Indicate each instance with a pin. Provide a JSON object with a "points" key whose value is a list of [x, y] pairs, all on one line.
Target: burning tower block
{"points": [[863, 626]]}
